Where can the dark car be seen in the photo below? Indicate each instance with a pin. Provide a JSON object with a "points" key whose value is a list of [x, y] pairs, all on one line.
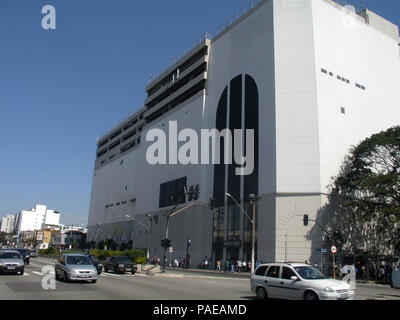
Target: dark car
{"points": [[25, 255], [119, 265], [96, 263]]}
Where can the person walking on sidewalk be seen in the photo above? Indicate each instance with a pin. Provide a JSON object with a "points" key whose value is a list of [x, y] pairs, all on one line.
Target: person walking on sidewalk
{"points": [[218, 265], [226, 265]]}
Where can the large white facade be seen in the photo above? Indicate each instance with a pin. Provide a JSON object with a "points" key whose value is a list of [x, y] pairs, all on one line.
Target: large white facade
{"points": [[326, 77], [35, 219]]}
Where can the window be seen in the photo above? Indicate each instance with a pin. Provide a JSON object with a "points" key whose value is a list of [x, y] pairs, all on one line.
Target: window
{"points": [[339, 77], [273, 272], [324, 71], [287, 273], [156, 219], [347, 81], [261, 270], [343, 110], [331, 74], [172, 192]]}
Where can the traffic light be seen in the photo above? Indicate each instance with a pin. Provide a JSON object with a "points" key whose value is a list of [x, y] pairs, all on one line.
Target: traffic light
{"points": [[196, 192], [305, 220], [165, 243], [190, 193], [212, 204]]}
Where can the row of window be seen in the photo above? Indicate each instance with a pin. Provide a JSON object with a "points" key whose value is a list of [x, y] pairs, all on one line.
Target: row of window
{"points": [[342, 79], [120, 130], [123, 149], [117, 204]]}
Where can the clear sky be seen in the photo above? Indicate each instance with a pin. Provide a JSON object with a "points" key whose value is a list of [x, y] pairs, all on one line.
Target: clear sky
{"points": [[61, 89]]}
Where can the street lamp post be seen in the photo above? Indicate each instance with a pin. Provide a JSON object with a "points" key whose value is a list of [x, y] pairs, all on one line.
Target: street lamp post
{"points": [[148, 230], [253, 200]]}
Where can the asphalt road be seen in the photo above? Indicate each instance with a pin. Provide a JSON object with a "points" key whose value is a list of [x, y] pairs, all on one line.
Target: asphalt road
{"points": [[171, 286]]}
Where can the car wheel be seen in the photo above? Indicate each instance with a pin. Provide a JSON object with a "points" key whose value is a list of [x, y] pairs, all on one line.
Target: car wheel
{"points": [[105, 269], [261, 294], [116, 270], [66, 277], [94, 281], [310, 296], [133, 272], [22, 272]]}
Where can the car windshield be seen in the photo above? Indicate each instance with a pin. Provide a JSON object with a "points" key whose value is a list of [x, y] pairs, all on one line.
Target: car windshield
{"points": [[309, 273], [123, 260], [78, 260], [9, 255]]}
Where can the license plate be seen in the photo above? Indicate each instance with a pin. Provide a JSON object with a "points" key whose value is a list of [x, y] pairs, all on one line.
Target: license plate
{"points": [[11, 268], [128, 269]]}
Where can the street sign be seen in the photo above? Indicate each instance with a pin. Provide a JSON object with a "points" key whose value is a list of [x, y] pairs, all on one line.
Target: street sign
{"points": [[171, 249], [323, 250], [333, 249]]}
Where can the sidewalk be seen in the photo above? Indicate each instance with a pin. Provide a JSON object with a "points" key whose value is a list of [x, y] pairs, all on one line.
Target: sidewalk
{"points": [[209, 272]]}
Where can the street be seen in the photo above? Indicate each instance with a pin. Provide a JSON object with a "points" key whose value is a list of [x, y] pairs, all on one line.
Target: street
{"points": [[170, 286]]}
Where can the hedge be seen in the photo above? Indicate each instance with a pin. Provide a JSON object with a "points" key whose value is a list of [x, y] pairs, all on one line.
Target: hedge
{"points": [[137, 256]]}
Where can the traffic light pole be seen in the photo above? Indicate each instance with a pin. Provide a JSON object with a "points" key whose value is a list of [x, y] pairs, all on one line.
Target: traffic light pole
{"points": [[171, 214]]}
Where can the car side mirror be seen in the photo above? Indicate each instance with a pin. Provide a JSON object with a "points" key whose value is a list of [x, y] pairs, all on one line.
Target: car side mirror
{"points": [[294, 278]]}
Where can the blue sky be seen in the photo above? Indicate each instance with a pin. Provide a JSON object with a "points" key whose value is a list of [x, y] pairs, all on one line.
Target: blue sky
{"points": [[60, 89]]}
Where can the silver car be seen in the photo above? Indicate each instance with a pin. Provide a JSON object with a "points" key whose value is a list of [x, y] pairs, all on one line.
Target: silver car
{"points": [[75, 267], [11, 262]]}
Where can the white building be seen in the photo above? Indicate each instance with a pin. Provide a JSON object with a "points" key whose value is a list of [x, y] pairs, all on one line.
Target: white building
{"points": [[8, 223], [36, 219], [311, 78]]}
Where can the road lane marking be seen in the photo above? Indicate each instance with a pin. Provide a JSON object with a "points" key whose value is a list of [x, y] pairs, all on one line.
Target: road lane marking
{"points": [[111, 274], [38, 273]]}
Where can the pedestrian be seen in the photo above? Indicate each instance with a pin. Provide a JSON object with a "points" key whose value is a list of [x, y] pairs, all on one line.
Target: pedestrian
{"points": [[249, 265], [233, 266], [226, 265], [244, 265], [218, 265], [239, 265], [364, 272], [382, 273], [388, 271]]}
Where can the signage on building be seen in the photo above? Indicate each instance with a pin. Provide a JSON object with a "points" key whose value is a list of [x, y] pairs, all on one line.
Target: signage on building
{"points": [[233, 243], [39, 236]]}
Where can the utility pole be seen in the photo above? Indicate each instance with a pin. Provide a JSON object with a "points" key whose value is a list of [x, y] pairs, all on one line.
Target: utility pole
{"points": [[253, 199]]}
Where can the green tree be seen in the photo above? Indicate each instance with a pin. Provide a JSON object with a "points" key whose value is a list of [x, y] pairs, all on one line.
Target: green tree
{"points": [[100, 245], [366, 197]]}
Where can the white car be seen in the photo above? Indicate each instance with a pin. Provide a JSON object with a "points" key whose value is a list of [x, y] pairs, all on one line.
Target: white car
{"points": [[297, 281]]}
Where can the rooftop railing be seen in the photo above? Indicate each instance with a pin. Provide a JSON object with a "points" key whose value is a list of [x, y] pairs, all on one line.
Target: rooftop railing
{"points": [[207, 35]]}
